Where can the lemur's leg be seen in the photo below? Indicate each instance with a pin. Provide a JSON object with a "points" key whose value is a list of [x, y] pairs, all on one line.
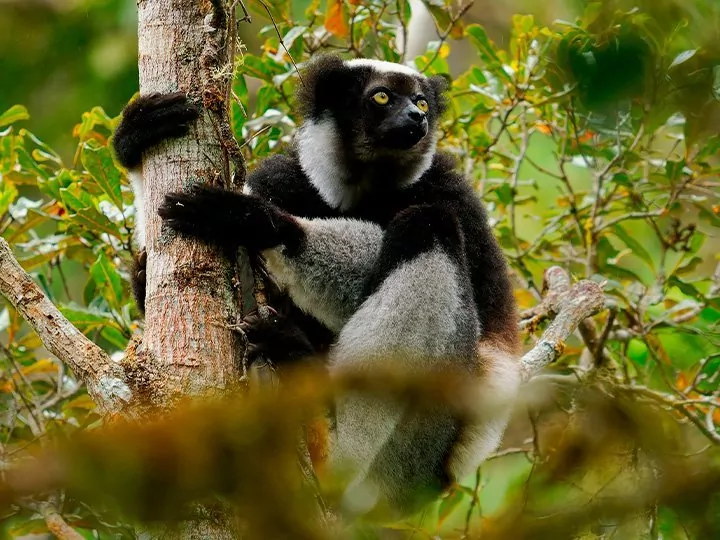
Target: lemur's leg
{"points": [[138, 278], [146, 122], [420, 318]]}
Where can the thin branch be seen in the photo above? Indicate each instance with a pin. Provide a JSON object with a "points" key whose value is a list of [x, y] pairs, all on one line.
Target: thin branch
{"points": [[104, 378], [282, 43]]}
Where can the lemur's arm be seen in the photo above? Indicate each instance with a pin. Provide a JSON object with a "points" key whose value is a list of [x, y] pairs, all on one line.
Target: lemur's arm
{"points": [[324, 263]]}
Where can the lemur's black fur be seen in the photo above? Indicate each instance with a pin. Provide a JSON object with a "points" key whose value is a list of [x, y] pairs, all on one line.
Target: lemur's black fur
{"points": [[150, 120], [386, 161]]}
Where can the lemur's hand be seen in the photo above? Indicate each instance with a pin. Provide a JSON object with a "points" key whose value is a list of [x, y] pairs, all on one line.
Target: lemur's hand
{"points": [[230, 220], [277, 340], [149, 120]]}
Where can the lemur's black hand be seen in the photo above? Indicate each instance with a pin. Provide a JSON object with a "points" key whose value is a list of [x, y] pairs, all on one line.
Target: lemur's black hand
{"points": [[230, 220], [277, 340], [149, 120]]}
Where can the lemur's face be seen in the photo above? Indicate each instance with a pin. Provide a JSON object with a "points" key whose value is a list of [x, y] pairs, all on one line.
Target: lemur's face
{"points": [[395, 110], [375, 109]]}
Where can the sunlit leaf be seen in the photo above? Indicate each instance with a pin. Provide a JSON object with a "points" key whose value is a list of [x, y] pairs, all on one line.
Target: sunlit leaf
{"points": [[13, 114], [683, 57], [99, 163]]}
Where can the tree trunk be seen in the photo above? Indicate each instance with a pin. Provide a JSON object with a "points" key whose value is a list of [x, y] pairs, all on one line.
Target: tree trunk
{"points": [[190, 296]]}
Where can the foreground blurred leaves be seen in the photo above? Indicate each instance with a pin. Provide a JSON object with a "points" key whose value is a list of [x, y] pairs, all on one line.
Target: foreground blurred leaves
{"points": [[614, 460]]}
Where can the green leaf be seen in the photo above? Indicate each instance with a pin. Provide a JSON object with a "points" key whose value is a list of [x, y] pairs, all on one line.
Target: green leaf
{"points": [[592, 10], [504, 193], [487, 51], [94, 221], [13, 114], [634, 244], [74, 198], [686, 288], [86, 319], [108, 280], [262, 68], [95, 117], [28, 164], [689, 266], [449, 503], [294, 33], [99, 163], [46, 252], [115, 337], [32, 220], [7, 196]]}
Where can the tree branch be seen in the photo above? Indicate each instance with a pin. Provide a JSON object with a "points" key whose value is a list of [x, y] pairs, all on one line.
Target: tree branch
{"points": [[105, 379], [57, 525], [569, 305]]}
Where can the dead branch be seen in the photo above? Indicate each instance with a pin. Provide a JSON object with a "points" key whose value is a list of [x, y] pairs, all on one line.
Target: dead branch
{"points": [[57, 525], [105, 379], [570, 305]]}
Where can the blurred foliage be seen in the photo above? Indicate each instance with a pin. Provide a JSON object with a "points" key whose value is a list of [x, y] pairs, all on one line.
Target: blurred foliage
{"points": [[594, 145]]}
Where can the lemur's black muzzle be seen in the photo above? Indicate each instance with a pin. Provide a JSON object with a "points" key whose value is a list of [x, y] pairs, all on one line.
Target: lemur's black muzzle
{"points": [[410, 127]]}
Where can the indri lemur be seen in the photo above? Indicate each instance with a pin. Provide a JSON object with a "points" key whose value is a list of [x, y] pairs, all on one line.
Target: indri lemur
{"points": [[376, 236]]}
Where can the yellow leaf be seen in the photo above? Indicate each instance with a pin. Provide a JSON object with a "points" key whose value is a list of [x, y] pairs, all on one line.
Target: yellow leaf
{"points": [[444, 51], [80, 402], [524, 298], [543, 128], [44, 365]]}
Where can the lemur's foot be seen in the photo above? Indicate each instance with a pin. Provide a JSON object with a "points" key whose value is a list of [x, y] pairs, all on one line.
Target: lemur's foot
{"points": [[137, 276], [276, 339], [149, 120]]}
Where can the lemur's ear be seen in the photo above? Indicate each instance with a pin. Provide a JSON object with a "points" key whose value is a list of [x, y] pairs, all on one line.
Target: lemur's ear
{"points": [[439, 85], [327, 83]]}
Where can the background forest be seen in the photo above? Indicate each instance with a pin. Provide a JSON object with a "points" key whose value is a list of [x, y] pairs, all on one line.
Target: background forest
{"points": [[590, 130]]}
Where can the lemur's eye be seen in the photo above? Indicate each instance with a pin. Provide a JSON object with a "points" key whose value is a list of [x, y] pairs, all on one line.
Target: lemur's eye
{"points": [[381, 98], [422, 105]]}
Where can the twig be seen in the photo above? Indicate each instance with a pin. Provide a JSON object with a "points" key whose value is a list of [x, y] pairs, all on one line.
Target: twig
{"points": [[446, 33], [277, 30], [246, 14]]}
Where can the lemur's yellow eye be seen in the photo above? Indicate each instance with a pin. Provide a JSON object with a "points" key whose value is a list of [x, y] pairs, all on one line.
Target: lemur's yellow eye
{"points": [[422, 105], [381, 98]]}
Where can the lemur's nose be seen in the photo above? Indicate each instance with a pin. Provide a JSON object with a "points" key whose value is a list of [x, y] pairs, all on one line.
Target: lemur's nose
{"points": [[415, 114]]}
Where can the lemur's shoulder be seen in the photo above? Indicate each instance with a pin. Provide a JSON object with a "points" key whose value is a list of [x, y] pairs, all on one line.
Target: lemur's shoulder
{"points": [[444, 182], [280, 180]]}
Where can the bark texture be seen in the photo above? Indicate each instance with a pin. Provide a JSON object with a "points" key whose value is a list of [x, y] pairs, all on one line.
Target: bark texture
{"points": [[190, 299]]}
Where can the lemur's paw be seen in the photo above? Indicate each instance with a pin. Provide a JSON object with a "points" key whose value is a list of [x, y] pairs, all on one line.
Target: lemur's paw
{"points": [[276, 339], [228, 219], [137, 276], [148, 121], [203, 212]]}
